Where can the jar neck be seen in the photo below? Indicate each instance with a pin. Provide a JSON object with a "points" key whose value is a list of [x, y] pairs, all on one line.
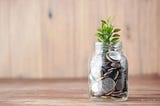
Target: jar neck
{"points": [[116, 47], [101, 47]]}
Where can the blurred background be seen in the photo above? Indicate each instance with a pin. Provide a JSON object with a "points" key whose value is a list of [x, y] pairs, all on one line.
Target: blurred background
{"points": [[55, 38]]}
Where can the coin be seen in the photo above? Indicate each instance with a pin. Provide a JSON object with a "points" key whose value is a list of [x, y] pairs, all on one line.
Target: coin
{"points": [[119, 84], [114, 73], [111, 69], [116, 76], [107, 73], [117, 93], [108, 85], [115, 64], [113, 56], [109, 93]]}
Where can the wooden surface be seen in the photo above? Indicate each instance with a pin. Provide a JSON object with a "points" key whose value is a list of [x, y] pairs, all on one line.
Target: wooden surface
{"points": [[44, 38], [143, 91]]}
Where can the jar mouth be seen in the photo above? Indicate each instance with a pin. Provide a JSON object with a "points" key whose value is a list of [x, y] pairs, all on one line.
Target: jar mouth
{"points": [[101, 44], [118, 44]]}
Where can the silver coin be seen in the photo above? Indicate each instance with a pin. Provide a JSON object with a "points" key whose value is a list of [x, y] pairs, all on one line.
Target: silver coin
{"points": [[107, 73], [108, 85], [119, 84], [111, 69], [113, 56], [109, 93], [115, 65], [108, 58], [117, 93], [116, 76]]}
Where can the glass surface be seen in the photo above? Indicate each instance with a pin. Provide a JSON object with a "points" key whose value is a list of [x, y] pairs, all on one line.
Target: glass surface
{"points": [[108, 74]]}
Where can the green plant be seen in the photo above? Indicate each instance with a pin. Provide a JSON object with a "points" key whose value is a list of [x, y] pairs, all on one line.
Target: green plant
{"points": [[107, 33]]}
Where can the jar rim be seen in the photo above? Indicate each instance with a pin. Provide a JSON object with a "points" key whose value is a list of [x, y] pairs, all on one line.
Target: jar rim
{"points": [[118, 44]]}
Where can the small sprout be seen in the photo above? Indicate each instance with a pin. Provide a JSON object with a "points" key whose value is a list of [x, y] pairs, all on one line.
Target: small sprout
{"points": [[107, 33]]}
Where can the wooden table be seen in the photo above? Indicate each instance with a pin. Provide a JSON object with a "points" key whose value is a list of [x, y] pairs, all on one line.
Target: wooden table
{"points": [[144, 90]]}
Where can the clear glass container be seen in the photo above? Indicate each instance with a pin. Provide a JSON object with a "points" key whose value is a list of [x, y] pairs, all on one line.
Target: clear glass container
{"points": [[108, 76]]}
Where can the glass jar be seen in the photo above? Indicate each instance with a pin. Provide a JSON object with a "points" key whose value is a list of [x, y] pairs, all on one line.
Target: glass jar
{"points": [[108, 76]]}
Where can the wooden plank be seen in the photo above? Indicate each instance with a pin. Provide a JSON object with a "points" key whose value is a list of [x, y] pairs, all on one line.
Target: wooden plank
{"points": [[58, 38], [4, 40], [131, 33], [143, 90], [157, 34], [153, 38], [80, 8], [85, 12], [25, 38], [148, 42]]}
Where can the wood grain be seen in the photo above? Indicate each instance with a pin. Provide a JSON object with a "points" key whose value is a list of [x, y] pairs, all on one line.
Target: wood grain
{"points": [[25, 39], [4, 40], [132, 39], [143, 91], [53, 39]]}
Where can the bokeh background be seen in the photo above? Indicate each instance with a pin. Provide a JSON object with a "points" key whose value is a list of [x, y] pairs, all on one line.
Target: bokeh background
{"points": [[55, 38]]}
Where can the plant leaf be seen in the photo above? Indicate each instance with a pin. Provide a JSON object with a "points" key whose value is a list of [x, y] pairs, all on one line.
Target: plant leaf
{"points": [[106, 40], [110, 29], [100, 39], [99, 34], [116, 30], [100, 30], [114, 39], [103, 21], [104, 30], [116, 35]]}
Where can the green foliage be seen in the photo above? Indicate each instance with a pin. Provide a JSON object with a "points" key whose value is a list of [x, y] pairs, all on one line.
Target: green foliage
{"points": [[107, 33]]}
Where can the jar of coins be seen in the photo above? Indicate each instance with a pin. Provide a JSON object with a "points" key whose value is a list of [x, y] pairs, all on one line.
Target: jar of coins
{"points": [[108, 74]]}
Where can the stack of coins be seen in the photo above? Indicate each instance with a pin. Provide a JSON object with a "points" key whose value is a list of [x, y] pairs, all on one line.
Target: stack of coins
{"points": [[107, 78]]}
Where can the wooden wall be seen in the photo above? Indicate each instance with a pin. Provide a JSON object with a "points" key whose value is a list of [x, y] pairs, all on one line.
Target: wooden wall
{"points": [[55, 38]]}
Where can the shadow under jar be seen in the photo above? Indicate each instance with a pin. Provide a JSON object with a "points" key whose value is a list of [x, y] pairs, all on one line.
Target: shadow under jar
{"points": [[108, 76]]}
